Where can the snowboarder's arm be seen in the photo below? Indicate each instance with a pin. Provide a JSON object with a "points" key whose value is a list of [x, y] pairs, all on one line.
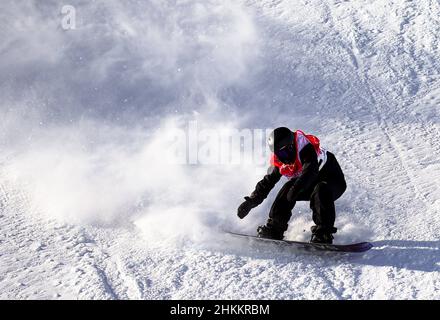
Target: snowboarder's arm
{"points": [[265, 185], [260, 193], [309, 174]]}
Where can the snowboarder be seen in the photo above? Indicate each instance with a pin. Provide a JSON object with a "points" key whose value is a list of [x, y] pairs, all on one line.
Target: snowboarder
{"points": [[314, 175]]}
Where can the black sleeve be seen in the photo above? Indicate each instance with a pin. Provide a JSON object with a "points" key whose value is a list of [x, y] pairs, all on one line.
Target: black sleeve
{"points": [[265, 185], [310, 172]]}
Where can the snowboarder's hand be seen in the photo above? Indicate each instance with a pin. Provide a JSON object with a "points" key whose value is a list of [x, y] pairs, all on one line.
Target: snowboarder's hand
{"points": [[245, 207]]}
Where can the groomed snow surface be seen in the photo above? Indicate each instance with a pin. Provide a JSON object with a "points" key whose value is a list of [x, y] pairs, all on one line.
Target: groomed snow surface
{"points": [[89, 209]]}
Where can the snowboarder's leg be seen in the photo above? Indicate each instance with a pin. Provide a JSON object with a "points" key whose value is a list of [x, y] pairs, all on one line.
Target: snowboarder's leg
{"points": [[322, 203], [279, 215]]}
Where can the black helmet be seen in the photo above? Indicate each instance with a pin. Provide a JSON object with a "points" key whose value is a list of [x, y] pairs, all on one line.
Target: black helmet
{"points": [[281, 142], [280, 138]]}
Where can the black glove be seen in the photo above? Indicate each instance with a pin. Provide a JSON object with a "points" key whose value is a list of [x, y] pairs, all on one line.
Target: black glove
{"points": [[245, 207]]}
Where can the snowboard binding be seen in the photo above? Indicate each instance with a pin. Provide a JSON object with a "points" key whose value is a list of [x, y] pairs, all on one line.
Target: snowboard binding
{"points": [[268, 232], [322, 234]]}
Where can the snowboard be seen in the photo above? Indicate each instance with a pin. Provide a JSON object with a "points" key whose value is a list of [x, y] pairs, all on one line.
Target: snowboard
{"points": [[353, 247]]}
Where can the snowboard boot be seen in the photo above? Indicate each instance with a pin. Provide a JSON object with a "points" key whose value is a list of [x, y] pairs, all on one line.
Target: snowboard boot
{"points": [[269, 232], [322, 234]]}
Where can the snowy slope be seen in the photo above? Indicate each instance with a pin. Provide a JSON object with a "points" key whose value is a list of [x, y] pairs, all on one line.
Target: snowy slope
{"points": [[88, 209]]}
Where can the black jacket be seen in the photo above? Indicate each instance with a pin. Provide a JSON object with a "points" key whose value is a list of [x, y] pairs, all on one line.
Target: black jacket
{"points": [[309, 177]]}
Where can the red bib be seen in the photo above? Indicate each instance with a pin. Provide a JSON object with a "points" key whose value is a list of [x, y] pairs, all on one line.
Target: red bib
{"points": [[295, 169]]}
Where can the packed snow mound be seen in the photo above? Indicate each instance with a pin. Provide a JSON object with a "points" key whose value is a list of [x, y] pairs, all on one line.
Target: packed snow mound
{"points": [[90, 206]]}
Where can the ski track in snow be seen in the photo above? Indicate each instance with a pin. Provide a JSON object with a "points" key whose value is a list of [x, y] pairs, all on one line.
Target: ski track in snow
{"points": [[369, 72]]}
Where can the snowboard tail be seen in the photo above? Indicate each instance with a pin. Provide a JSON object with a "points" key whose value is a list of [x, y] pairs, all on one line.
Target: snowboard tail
{"points": [[353, 247]]}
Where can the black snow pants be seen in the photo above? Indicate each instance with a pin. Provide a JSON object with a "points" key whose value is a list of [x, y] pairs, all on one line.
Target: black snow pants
{"points": [[329, 186]]}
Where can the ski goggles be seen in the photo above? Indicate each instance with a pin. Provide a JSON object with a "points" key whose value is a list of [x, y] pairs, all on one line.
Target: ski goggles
{"points": [[286, 154]]}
